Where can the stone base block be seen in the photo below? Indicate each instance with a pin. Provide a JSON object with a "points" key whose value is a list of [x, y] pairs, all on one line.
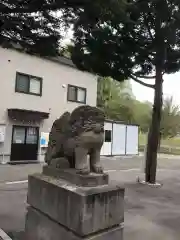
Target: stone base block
{"points": [[40, 227], [90, 180], [82, 210]]}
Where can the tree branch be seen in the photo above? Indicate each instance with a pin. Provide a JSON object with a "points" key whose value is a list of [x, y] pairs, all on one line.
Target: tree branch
{"points": [[142, 76], [142, 83]]}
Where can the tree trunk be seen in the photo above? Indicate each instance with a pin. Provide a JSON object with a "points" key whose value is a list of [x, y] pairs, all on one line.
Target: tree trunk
{"points": [[154, 131]]}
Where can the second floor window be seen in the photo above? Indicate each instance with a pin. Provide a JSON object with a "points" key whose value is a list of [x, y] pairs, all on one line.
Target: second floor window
{"points": [[28, 84], [76, 94]]}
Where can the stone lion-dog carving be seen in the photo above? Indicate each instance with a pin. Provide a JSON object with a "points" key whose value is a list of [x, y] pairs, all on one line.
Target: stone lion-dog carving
{"points": [[75, 136]]}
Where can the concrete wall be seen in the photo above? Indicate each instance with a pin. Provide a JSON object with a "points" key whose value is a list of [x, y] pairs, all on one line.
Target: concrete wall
{"points": [[54, 95]]}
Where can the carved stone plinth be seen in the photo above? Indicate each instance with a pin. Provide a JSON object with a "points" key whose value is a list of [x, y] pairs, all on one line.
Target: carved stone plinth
{"points": [[62, 210]]}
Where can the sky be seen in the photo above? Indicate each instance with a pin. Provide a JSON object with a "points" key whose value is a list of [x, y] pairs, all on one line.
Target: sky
{"points": [[171, 87]]}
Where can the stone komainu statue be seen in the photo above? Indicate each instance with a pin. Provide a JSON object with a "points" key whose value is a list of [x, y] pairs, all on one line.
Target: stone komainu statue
{"points": [[75, 136]]}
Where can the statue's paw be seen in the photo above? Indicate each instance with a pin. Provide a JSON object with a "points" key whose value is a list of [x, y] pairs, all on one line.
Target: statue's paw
{"points": [[97, 169], [84, 171], [59, 163], [55, 163]]}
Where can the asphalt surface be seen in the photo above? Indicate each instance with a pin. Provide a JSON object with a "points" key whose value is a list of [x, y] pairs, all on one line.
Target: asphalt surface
{"points": [[150, 213]]}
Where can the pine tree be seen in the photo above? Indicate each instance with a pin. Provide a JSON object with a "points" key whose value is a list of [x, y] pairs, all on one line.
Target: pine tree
{"points": [[37, 25], [34, 24], [146, 45]]}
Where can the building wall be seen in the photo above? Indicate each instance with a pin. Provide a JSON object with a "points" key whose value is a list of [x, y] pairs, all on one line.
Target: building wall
{"points": [[54, 94]]}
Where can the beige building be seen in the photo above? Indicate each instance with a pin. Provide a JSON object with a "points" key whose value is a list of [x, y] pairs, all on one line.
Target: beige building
{"points": [[33, 93]]}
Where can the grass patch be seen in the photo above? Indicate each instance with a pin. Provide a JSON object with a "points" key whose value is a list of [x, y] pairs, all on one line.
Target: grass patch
{"points": [[172, 142], [164, 150], [168, 146]]}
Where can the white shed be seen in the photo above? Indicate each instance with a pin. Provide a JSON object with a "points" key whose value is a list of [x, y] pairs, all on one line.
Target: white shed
{"points": [[120, 139]]}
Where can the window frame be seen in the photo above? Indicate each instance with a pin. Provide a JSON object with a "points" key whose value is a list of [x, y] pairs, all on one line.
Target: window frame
{"points": [[76, 89], [29, 80]]}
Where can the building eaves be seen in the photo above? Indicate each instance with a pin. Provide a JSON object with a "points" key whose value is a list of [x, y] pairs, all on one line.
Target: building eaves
{"points": [[58, 59], [61, 60]]}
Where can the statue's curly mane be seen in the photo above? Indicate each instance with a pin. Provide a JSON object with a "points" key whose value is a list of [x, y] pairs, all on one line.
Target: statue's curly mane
{"points": [[84, 118], [56, 135]]}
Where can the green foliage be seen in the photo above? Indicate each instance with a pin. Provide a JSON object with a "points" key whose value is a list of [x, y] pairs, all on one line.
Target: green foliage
{"points": [[111, 45], [142, 115], [115, 99], [11, 6], [118, 103], [30, 25], [37, 25], [170, 122]]}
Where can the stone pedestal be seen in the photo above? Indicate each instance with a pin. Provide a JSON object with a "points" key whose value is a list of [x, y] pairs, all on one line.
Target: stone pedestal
{"points": [[59, 210], [70, 175]]}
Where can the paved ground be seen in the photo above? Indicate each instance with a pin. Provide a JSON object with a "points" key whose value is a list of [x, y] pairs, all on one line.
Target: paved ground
{"points": [[150, 213]]}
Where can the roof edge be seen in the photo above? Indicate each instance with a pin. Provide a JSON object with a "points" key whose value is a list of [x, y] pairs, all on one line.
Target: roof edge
{"points": [[58, 59]]}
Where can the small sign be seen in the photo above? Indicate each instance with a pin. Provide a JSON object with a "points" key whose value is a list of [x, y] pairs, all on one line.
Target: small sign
{"points": [[18, 141], [2, 132], [44, 139]]}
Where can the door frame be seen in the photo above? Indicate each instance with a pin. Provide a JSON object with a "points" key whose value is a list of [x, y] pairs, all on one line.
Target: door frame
{"points": [[25, 127]]}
